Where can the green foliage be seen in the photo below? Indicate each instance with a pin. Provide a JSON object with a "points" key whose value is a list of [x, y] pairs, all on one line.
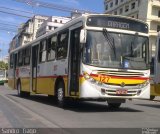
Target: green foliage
{"points": [[3, 65]]}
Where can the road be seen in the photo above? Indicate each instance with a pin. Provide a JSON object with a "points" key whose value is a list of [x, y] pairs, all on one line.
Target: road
{"points": [[38, 111]]}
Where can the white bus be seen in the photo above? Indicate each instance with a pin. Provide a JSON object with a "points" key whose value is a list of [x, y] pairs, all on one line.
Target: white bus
{"points": [[92, 57]]}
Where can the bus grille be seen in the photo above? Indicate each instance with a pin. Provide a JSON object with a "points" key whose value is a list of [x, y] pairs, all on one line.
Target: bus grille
{"points": [[130, 92], [121, 73]]}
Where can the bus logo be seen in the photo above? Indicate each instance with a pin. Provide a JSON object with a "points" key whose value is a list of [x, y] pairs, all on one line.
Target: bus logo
{"points": [[122, 84]]}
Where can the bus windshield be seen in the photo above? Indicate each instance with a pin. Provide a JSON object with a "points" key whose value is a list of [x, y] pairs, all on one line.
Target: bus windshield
{"points": [[116, 50]]}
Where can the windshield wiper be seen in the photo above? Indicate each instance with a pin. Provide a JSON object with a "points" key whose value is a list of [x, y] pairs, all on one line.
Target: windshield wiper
{"points": [[133, 59], [110, 40]]}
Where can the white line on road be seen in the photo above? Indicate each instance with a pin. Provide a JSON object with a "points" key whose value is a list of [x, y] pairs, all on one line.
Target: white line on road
{"points": [[36, 116]]}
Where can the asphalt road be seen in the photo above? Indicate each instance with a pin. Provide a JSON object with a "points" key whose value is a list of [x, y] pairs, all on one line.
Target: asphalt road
{"points": [[38, 111]]}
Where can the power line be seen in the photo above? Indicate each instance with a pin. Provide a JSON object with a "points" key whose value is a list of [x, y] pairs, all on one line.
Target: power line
{"points": [[8, 30], [16, 14], [52, 6], [12, 25], [7, 22], [17, 10]]}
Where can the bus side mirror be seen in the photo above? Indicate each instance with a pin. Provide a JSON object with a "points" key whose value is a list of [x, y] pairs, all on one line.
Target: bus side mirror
{"points": [[83, 36]]}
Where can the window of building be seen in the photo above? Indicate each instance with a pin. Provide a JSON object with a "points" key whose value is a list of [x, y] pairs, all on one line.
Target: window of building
{"points": [[121, 11], [55, 21], [62, 45], [116, 2], [60, 21], [159, 13], [115, 12], [50, 27], [106, 7], [133, 5], [42, 52], [51, 49], [126, 8], [40, 20], [132, 16], [158, 28], [111, 4], [137, 16], [39, 25]]}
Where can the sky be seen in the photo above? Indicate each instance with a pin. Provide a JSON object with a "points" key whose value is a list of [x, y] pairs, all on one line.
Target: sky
{"points": [[7, 32]]}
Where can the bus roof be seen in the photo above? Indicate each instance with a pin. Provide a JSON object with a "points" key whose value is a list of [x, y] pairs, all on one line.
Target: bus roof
{"points": [[72, 22]]}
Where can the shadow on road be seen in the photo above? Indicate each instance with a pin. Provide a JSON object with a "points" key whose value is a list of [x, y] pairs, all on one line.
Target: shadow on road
{"points": [[149, 105], [80, 106]]}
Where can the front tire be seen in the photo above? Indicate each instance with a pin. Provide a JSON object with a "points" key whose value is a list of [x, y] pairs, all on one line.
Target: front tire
{"points": [[60, 95], [152, 97], [114, 105]]}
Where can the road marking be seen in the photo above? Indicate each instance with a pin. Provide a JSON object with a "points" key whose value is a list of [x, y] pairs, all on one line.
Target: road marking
{"points": [[46, 122]]}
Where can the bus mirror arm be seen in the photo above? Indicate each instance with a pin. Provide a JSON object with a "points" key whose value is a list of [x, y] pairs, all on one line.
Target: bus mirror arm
{"points": [[83, 36]]}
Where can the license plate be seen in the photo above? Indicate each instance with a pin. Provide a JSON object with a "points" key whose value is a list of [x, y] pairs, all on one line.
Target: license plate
{"points": [[121, 91]]}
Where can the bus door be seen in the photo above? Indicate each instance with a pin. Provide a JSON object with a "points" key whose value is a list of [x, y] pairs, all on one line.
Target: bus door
{"points": [[74, 63], [34, 68], [14, 69], [157, 66]]}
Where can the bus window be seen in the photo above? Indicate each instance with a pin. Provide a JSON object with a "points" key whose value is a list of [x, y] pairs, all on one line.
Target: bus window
{"points": [[27, 56], [42, 52], [51, 49], [11, 61], [62, 45], [20, 58]]}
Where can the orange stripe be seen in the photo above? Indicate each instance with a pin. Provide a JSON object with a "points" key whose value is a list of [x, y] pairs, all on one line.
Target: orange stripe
{"points": [[122, 77]]}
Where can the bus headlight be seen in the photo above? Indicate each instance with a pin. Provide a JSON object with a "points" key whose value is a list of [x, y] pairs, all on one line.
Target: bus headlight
{"points": [[86, 76], [89, 78], [144, 84]]}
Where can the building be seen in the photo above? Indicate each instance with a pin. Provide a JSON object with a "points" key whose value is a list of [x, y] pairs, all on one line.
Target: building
{"points": [[146, 10], [51, 24], [27, 31]]}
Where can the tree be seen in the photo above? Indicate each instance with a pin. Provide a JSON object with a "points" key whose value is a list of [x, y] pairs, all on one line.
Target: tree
{"points": [[3, 65]]}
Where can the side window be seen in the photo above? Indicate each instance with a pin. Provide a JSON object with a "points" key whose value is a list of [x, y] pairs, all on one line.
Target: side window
{"points": [[42, 51], [27, 56], [11, 61], [51, 49], [62, 45], [20, 58]]}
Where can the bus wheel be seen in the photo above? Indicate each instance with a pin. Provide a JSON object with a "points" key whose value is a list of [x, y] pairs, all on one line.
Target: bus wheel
{"points": [[20, 92], [152, 97], [60, 95], [114, 105]]}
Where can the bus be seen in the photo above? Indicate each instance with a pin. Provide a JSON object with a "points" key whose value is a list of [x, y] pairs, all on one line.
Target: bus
{"points": [[95, 57], [155, 71], [3, 76]]}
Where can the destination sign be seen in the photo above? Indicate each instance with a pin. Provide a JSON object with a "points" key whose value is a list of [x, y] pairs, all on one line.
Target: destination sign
{"points": [[117, 22]]}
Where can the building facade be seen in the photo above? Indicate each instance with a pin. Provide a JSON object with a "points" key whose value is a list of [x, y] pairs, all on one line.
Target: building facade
{"points": [[50, 24], [27, 31], [146, 10]]}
